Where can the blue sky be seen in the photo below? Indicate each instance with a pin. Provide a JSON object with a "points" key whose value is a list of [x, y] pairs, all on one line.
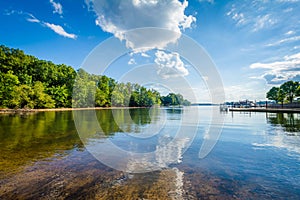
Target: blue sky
{"points": [[254, 44]]}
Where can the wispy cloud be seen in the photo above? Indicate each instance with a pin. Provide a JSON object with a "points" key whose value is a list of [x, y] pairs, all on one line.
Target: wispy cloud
{"points": [[264, 21], [285, 40], [57, 7], [209, 1], [59, 30], [143, 54], [32, 19], [12, 12], [237, 16], [254, 19], [257, 15], [287, 10], [243, 91], [288, 68], [54, 27], [288, 1], [290, 33]]}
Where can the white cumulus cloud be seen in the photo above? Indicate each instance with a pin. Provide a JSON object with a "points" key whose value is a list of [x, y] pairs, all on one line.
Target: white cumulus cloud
{"points": [[280, 71], [119, 16], [170, 65]]}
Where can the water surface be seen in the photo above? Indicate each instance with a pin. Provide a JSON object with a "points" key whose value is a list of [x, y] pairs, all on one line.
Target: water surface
{"points": [[256, 157]]}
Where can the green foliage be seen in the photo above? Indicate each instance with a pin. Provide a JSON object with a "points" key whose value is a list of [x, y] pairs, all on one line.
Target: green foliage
{"points": [[287, 91], [22, 97], [174, 100], [117, 98], [8, 81], [60, 96], [84, 91], [272, 94], [280, 96], [297, 93], [40, 98], [27, 82], [101, 98], [45, 84]]}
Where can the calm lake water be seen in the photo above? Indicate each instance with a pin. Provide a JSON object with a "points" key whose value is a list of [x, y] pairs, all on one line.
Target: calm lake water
{"points": [[256, 157]]}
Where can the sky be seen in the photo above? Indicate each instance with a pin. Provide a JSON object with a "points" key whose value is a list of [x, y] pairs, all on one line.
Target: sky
{"points": [[254, 45]]}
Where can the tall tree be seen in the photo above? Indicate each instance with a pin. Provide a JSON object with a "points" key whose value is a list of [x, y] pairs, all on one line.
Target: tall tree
{"points": [[289, 89], [22, 97], [272, 94], [297, 94], [280, 96], [40, 98], [8, 81]]}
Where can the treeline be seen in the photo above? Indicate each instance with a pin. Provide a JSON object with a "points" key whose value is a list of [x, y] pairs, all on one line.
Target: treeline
{"points": [[285, 93], [94, 90], [27, 82], [174, 99]]}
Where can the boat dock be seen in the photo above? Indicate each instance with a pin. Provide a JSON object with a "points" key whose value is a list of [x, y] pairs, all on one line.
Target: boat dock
{"points": [[286, 110]]}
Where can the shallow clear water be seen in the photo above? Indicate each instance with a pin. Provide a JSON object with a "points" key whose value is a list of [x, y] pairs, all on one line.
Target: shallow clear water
{"points": [[257, 155]]}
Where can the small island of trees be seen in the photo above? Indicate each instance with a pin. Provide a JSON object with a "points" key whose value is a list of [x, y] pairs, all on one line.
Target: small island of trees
{"points": [[28, 82]]}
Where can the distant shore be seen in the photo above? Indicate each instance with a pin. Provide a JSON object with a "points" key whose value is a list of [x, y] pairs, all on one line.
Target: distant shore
{"points": [[287, 110], [9, 111]]}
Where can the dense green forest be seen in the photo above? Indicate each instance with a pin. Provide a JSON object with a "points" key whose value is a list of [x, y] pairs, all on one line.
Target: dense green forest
{"points": [[27, 82], [285, 93]]}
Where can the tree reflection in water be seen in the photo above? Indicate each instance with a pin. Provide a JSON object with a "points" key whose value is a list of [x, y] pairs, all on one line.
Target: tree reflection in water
{"points": [[289, 121]]}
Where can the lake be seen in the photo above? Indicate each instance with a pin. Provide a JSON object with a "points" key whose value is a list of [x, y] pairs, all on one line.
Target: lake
{"points": [[150, 154]]}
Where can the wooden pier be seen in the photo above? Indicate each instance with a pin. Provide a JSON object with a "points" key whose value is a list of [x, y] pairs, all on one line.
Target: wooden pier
{"points": [[285, 110]]}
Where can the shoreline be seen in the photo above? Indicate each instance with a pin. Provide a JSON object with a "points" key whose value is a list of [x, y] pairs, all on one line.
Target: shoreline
{"points": [[274, 110], [18, 111]]}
